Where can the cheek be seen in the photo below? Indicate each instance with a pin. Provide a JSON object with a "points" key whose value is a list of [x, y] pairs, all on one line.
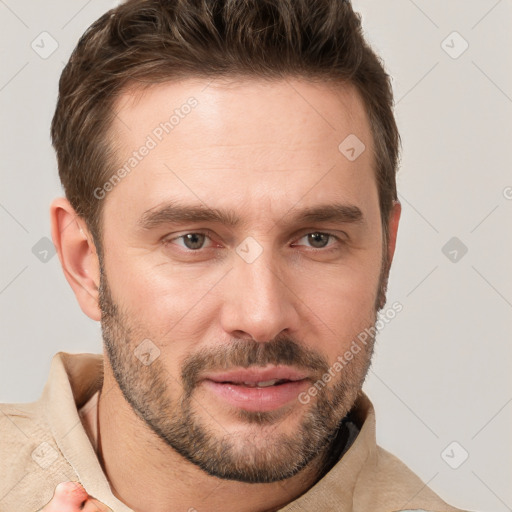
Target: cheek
{"points": [[165, 304], [348, 289], [341, 304]]}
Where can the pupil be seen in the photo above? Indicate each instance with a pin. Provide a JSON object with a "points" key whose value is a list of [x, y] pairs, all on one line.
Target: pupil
{"points": [[194, 240], [318, 240]]}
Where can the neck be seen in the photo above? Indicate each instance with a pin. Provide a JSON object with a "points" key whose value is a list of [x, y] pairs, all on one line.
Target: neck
{"points": [[148, 475]]}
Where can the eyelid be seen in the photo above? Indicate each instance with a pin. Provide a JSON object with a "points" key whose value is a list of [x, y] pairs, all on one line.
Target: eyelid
{"points": [[307, 231], [166, 240], [336, 237]]}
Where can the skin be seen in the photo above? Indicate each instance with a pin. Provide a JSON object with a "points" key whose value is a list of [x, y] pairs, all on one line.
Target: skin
{"points": [[264, 150], [72, 497]]}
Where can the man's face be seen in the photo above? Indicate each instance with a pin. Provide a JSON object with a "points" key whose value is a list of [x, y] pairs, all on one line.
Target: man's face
{"points": [[271, 292]]}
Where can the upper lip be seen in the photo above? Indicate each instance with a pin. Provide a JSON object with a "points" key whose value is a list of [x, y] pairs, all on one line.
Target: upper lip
{"points": [[257, 374]]}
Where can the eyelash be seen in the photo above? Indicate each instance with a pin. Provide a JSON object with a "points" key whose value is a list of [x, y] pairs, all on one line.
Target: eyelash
{"points": [[329, 248]]}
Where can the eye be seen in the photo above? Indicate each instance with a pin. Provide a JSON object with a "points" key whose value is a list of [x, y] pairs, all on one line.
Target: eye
{"points": [[191, 241], [195, 241], [319, 240]]}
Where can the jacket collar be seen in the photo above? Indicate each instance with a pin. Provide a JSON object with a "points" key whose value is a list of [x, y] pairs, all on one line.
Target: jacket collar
{"points": [[73, 380]]}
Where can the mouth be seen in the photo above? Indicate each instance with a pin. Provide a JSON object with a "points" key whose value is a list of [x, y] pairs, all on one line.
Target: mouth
{"points": [[261, 384], [257, 389]]}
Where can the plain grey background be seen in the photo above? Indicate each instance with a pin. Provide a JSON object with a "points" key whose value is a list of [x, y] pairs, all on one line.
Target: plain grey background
{"points": [[441, 376]]}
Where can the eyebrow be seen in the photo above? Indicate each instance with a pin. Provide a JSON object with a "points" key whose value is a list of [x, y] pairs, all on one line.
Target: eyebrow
{"points": [[178, 213]]}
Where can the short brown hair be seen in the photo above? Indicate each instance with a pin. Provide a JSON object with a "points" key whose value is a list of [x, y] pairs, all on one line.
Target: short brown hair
{"points": [[149, 41]]}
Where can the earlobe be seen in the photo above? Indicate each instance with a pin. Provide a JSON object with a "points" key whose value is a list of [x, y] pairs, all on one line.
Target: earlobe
{"points": [[394, 219], [77, 255]]}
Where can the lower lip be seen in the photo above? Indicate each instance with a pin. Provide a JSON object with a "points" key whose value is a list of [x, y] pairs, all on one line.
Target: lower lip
{"points": [[257, 399]]}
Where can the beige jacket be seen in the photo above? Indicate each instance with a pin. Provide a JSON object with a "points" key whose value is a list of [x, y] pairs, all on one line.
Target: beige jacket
{"points": [[44, 443]]}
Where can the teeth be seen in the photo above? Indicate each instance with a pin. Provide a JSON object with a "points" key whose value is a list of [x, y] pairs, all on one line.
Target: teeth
{"points": [[263, 384], [266, 383]]}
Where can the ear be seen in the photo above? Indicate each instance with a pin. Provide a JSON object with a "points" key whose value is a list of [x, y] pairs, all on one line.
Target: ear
{"points": [[393, 221], [77, 255]]}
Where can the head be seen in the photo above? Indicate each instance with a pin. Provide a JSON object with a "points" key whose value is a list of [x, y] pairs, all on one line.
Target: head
{"points": [[229, 169]]}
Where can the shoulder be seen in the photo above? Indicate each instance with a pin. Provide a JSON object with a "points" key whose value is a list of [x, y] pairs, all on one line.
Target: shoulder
{"points": [[396, 485], [31, 463]]}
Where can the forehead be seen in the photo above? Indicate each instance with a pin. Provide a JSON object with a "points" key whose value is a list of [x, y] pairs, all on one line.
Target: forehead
{"points": [[238, 108], [258, 142]]}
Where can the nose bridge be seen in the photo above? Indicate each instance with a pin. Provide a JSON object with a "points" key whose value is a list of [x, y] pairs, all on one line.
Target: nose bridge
{"points": [[260, 304], [259, 280]]}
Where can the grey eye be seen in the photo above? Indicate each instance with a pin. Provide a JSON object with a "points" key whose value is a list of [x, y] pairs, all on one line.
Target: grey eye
{"points": [[318, 240], [194, 241]]}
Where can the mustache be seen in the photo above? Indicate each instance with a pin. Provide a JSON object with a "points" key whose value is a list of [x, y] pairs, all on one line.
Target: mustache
{"points": [[247, 353]]}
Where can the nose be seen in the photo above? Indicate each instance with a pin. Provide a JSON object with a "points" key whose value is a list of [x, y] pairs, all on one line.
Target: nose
{"points": [[259, 300]]}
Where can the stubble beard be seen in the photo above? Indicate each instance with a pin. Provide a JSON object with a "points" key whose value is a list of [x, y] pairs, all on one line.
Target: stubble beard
{"points": [[259, 453]]}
